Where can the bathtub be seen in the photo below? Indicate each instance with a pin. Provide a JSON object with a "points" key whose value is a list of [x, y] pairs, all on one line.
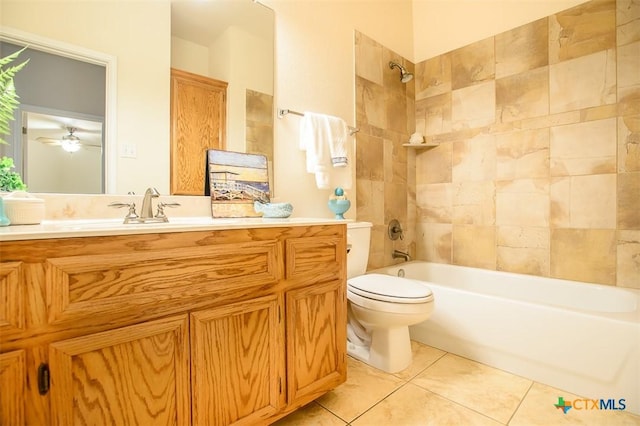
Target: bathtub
{"points": [[578, 337]]}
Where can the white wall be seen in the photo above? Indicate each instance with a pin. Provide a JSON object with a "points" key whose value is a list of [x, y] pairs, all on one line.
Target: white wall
{"points": [[189, 56]]}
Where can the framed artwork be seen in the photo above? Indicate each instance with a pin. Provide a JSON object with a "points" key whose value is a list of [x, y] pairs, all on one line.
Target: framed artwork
{"points": [[235, 180]]}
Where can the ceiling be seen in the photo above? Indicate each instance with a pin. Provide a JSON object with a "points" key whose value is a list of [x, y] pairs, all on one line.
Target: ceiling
{"points": [[55, 127], [202, 22]]}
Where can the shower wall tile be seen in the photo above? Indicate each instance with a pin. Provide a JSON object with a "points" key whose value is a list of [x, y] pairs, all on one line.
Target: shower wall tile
{"points": [[433, 76], [582, 30], [371, 98], [522, 49], [628, 259], [434, 165], [435, 202], [558, 119], [259, 124], [474, 246], [629, 65], [385, 115], [434, 242], [433, 114], [396, 112], [523, 250], [584, 202], [629, 200], [583, 82], [395, 202], [627, 21], [629, 143], [368, 59], [522, 154], [522, 202], [537, 166], [473, 203], [474, 106], [587, 255], [584, 148], [474, 159], [629, 78], [473, 64], [599, 113], [369, 150], [395, 160], [370, 200], [522, 95]]}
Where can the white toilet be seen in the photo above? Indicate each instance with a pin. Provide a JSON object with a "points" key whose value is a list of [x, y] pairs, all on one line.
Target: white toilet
{"points": [[380, 308]]}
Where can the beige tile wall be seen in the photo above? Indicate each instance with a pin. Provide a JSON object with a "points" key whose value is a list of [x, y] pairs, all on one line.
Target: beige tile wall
{"points": [[385, 170], [538, 168], [538, 165]]}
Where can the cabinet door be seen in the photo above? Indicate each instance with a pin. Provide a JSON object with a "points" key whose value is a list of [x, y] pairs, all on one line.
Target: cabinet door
{"points": [[133, 375], [316, 340], [198, 123], [12, 383], [237, 363]]}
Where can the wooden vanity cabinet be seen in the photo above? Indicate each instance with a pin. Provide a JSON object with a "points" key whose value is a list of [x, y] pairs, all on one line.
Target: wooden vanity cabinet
{"points": [[204, 328], [131, 375]]}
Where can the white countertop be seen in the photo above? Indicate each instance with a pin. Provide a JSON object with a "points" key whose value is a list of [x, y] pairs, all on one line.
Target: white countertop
{"points": [[103, 227]]}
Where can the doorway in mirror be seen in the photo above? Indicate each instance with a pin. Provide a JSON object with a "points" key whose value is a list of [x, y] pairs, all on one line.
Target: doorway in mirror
{"points": [[62, 152]]}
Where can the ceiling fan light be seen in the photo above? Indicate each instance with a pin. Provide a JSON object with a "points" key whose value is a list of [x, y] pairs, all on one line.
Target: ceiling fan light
{"points": [[70, 145], [70, 142]]}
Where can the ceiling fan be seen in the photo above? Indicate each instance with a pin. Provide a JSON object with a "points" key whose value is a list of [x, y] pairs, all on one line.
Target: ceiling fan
{"points": [[70, 142]]}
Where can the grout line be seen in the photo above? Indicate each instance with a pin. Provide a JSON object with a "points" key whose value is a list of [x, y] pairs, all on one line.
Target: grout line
{"points": [[386, 396], [521, 401]]}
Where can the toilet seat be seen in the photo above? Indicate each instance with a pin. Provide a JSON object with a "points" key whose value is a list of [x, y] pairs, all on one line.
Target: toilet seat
{"points": [[387, 288]]}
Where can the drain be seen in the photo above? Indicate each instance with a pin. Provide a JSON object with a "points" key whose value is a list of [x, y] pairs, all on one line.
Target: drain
{"points": [[401, 272]]}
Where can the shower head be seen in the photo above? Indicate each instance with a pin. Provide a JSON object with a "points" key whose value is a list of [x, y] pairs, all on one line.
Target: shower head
{"points": [[405, 76]]}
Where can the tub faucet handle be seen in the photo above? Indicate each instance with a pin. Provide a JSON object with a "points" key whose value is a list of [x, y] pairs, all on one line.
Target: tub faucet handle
{"points": [[395, 230]]}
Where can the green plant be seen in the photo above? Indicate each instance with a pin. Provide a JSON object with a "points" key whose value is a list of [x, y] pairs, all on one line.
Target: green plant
{"points": [[9, 180], [8, 96]]}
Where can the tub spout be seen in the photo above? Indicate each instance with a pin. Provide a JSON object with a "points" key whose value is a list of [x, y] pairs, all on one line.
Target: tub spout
{"points": [[397, 254]]}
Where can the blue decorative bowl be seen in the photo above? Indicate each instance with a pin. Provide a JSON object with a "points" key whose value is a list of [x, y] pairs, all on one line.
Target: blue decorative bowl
{"points": [[273, 210], [339, 207]]}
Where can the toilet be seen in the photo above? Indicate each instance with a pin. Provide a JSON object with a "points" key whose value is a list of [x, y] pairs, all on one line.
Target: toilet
{"points": [[380, 308]]}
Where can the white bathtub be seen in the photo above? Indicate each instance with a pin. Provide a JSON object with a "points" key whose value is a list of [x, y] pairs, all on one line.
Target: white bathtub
{"points": [[578, 337]]}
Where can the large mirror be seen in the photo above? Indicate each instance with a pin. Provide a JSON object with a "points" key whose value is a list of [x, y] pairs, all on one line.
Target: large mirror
{"points": [[136, 44]]}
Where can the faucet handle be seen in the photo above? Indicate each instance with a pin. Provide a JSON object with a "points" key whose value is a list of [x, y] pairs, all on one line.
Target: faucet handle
{"points": [[160, 213], [131, 215]]}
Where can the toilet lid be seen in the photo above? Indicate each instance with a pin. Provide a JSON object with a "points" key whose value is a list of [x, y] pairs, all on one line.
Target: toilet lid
{"points": [[388, 288]]}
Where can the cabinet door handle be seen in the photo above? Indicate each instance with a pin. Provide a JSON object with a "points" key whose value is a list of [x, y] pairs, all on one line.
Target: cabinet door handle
{"points": [[43, 379]]}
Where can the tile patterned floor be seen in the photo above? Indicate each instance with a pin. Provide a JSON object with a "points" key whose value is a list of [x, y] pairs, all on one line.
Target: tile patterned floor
{"points": [[441, 388]]}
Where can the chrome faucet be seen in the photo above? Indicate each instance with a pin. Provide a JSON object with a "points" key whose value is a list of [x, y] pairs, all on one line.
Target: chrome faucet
{"points": [[146, 214], [147, 205], [397, 254]]}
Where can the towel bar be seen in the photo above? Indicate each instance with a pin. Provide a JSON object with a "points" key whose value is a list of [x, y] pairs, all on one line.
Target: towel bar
{"points": [[283, 111]]}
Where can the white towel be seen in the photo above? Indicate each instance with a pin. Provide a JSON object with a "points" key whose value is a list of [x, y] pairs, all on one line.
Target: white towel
{"points": [[338, 139], [327, 143]]}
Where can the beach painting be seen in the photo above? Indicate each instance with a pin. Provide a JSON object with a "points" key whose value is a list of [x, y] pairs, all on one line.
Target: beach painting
{"points": [[236, 180]]}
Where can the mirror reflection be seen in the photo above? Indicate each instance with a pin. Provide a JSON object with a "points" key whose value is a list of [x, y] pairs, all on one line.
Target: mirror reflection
{"points": [[62, 154], [228, 40]]}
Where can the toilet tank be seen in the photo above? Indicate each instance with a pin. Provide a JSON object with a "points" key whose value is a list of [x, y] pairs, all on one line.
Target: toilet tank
{"points": [[358, 239]]}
